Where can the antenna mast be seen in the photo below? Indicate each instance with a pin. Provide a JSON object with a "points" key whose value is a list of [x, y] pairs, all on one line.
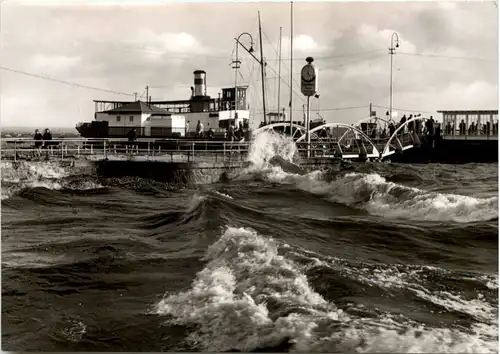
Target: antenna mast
{"points": [[262, 65]]}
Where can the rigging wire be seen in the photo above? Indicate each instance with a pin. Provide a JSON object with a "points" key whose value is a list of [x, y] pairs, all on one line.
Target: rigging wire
{"points": [[294, 80], [345, 64], [301, 97], [256, 96], [403, 110], [356, 61], [446, 56], [336, 108], [65, 82], [338, 56], [287, 84]]}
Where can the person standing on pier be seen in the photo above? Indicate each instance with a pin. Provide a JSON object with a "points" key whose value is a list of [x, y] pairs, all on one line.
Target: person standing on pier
{"points": [[240, 130], [199, 130], [132, 137], [418, 126], [231, 135], [471, 128], [38, 142], [462, 127], [392, 129], [47, 136]]}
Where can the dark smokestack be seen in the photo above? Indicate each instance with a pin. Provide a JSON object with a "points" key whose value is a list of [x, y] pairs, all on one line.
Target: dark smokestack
{"points": [[200, 85]]}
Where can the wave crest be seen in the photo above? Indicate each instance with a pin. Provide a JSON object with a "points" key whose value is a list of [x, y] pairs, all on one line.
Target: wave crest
{"points": [[268, 144], [20, 176], [394, 200], [229, 297], [373, 193], [252, 295]]}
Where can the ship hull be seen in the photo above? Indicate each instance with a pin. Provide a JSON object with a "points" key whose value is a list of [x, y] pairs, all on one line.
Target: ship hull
{"points": [[101, 130]]}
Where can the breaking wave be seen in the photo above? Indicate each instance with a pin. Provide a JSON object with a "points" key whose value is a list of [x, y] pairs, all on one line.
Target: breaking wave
{"points": [[254, 293], [20, 176], [365, 189], [375, 194], [268, 144]]}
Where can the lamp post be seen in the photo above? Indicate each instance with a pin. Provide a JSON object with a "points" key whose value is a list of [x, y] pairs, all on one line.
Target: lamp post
{"points": [[236, 67], [392, 51], [261, 62], [309, 87]]}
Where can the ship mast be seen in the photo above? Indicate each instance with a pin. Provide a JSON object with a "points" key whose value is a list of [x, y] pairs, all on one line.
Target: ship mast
{"points": [[262, 69], [279, 79], [291, 67]]}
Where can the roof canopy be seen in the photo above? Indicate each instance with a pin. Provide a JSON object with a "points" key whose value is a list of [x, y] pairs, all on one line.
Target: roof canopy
{"points": [[470, 112], [137, 107]]}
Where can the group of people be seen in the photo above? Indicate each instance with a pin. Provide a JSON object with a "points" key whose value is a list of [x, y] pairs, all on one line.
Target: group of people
{"points": [[200, 131], [42, 141], [414, 126], [232, 133], [474, 128], [376, 132]]}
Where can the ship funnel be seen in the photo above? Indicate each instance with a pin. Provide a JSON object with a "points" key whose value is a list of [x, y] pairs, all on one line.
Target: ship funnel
{"points": [[200, 85]]}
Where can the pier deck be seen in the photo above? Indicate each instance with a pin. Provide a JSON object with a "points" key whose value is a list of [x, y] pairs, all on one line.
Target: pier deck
{"points": [[201, 153]]}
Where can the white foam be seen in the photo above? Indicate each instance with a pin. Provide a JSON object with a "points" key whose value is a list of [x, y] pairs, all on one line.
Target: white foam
{"points": [[46, 174], [477, 308], [31, 171], [224, 195], [491, 281], [249, 296], [380, 197], [268, 144], [21, 259], [73, 330], [228, 297], [411, 278], [436, 207], [377, 195], [411, 340]]}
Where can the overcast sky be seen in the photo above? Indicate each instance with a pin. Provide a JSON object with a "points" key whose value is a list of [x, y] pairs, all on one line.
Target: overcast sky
{"points": [[447, 57]]}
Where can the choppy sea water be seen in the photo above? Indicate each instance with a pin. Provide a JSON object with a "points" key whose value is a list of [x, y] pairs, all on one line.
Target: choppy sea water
{"points": [[373, 257]]}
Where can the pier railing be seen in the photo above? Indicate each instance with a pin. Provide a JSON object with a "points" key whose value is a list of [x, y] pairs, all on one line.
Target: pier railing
{"points": [[199, 151], [113, 149]]}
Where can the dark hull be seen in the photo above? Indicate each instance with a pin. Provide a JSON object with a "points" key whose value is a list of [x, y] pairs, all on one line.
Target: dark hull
{"points": [[450, 151]]}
